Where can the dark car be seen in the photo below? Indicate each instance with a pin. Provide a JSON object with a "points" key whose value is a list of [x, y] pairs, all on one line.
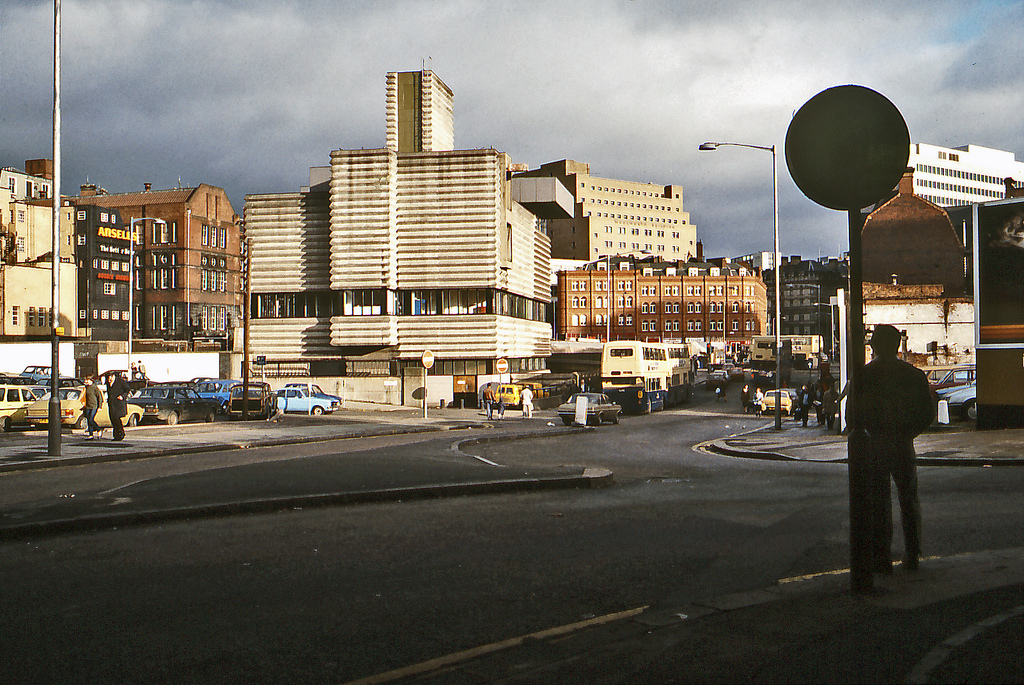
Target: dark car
{"points": [[133, 383], [599, 409], [262, 400], [173, 403]]}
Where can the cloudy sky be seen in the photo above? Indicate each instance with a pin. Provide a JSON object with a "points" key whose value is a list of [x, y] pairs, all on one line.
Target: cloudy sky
{"points": [[247, 94]]}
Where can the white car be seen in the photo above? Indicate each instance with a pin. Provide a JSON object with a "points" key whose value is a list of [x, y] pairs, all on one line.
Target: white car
{"points": [[963, 402]]}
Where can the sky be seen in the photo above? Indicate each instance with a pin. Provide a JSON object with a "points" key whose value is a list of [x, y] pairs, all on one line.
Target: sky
{"points": [[248, 94]]}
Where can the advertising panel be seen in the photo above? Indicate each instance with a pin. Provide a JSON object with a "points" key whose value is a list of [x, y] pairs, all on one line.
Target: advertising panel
{"points": [[999, 273]]}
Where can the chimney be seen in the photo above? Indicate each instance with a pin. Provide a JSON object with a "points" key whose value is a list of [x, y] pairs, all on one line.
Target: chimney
{"points": [[906, 185], [87, 189], [148, 186], [700, 251]]}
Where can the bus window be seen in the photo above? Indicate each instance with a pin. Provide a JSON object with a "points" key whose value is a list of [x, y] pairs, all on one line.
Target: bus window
{"points": [[620, 352]]}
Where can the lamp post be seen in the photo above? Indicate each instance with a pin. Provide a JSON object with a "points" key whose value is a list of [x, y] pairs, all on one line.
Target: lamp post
{"points": [[131, 279], [711, 146]]}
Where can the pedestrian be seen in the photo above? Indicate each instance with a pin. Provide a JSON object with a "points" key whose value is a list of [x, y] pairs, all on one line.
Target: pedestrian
{"points": [[819, 403], [829, 406], [489, 400], [93, 403], [895, 407], [745, 399], [117, 402], [758, 401], [806, 399], [501, 404], [527, 397]]}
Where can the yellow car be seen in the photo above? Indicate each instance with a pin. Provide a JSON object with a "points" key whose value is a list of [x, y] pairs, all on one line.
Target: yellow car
{"points": [[72, 411], [788, 401], [14, 399]]}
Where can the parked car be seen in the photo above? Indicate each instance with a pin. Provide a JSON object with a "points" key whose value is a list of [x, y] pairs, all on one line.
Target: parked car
{"points": [[599, 409], [941, 378], [218, 390], [36, 373], [318, 392], [172, 403], [72, 410], [262, 401], [788, 401], [14, 402], [963, 402], [299, 400], [508, 393], [134, 384]]}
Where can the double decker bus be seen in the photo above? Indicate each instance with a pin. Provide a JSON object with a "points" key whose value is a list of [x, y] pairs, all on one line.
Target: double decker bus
{"points": [[642, 377], [802, 350]]}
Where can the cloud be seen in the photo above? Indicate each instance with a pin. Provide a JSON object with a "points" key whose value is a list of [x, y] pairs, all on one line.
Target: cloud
{"points": [[248, 95]]}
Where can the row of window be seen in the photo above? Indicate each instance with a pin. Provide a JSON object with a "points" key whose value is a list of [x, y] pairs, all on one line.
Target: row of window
{"points": [[633, 217], [953, 188], [675, 325], [208, 318], [668, 290], [215, 236], [381, 302], [668, 307], [956, 173], [34, 317]]}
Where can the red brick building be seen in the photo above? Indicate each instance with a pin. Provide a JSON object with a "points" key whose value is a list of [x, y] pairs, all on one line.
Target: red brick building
{"points": [[700, 302], [913, 240], [187, 276]]}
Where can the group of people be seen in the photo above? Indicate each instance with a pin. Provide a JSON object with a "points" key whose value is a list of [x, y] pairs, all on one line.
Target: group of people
{"points": [[494, 403], [821, 398], [117, 404]]}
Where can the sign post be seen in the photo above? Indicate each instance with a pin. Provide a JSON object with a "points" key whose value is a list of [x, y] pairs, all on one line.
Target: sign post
{"points": [[427, 359], [846, 149], [501, 368]]}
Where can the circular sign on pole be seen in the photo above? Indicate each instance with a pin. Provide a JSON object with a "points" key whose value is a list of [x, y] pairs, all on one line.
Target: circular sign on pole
{"points": [[501, 366], [847, 147], [427, 359]]}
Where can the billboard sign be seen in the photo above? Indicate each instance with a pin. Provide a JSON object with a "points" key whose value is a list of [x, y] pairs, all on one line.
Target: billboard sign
{"points": [[999, 273]]}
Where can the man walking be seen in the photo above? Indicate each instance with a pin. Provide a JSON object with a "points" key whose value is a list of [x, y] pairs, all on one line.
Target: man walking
{"points": [[896, 408], [117, 402], [93, 403], [489, 400]]}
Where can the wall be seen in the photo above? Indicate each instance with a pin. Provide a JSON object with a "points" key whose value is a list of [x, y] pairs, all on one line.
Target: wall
{"points": [[947, 322], [167, 366], [16, 356]]}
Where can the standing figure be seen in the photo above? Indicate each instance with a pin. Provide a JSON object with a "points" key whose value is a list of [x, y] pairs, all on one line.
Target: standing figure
{"points": [[830, 405], [93, 403], [117, 402], [758, 401], [745, 398], [489, 400], [527, 397], [896, 407], [806, 399]]}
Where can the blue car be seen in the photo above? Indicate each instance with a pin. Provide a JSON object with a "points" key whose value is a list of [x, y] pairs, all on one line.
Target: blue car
{"points": [[219, 390], [299, 400], [317, 392]]}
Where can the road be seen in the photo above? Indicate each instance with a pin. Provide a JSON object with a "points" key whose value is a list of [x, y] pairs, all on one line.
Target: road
{"points": [[331, 595]]}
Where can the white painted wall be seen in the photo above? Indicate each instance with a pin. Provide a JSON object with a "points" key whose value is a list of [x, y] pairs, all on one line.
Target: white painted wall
{"points": [[14, 357]]}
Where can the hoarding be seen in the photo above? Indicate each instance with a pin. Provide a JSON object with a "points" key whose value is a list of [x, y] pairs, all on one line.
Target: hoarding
{"points": [[999, 273]]}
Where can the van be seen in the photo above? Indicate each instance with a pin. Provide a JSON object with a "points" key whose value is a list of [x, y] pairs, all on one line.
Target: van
{"points": [[509, 395], [14, 401]]}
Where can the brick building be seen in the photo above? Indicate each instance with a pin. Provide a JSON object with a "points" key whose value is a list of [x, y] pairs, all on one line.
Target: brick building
{"points": [[722, 304]]}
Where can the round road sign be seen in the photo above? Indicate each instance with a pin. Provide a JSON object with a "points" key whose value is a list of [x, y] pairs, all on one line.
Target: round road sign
{"points": [[501, 366], [427, 359]]}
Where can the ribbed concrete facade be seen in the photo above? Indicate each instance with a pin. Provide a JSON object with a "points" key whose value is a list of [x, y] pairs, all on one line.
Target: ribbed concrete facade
{"points": [[393, 253]]}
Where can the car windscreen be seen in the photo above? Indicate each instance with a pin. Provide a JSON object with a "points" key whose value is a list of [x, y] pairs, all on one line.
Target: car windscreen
{"points": [[153, 393]]}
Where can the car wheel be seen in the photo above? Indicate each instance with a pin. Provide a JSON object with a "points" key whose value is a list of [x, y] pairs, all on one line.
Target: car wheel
{"points": [[5, 424], [210, 416], [133, 420], [172, 418], [565, 419], [79, 423], [615, 418], [318, 410], [971, 411]]}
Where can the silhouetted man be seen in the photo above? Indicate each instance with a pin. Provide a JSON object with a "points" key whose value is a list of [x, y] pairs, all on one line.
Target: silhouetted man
{"points": [[896, 407]]}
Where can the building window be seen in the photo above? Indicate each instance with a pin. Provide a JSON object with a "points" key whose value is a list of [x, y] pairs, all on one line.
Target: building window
{"points": [[109, 289], [14, 315]]}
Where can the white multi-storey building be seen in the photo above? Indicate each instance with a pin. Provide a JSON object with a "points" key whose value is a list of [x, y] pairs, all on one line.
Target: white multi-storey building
{"points": [[950, 176], [393, 251]]}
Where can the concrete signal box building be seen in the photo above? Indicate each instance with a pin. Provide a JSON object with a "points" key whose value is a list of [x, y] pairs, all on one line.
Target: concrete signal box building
{"points": [[393, 251]]}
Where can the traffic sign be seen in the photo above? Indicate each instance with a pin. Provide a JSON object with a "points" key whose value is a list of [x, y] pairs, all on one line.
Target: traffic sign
{"points": [[501, 366], [427, 359]]}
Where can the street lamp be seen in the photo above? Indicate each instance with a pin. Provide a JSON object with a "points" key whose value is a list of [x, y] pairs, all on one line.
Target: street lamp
{"points": [[776, 258], [131, 278]]}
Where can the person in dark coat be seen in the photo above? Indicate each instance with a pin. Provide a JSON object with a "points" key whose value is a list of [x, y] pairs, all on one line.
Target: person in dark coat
{"points": [[117, 402], [830, 405], [896, 407], [93, 403]]}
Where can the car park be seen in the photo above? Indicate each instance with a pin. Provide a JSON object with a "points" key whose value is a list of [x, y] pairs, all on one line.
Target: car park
{"points": [[217, 390], [262, 401], [298, 400], [963, 402], [173, 403], [72, 411], [600, 409], [14, 402], [788, 401], [318, 392]]}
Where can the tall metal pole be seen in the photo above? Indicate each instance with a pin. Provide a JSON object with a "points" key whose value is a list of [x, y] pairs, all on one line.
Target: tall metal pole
{"points": [[53, 409], [778, 293]]}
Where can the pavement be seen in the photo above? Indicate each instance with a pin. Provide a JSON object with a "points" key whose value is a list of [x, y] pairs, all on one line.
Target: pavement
{"points": [[957, 619]]}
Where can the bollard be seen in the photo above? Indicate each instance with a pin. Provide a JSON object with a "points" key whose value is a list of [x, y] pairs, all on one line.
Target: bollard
{"points": [[943, 412]]}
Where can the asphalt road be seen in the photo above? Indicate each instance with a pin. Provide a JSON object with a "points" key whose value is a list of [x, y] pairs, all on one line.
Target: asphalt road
{"points": [[330, 595]]}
